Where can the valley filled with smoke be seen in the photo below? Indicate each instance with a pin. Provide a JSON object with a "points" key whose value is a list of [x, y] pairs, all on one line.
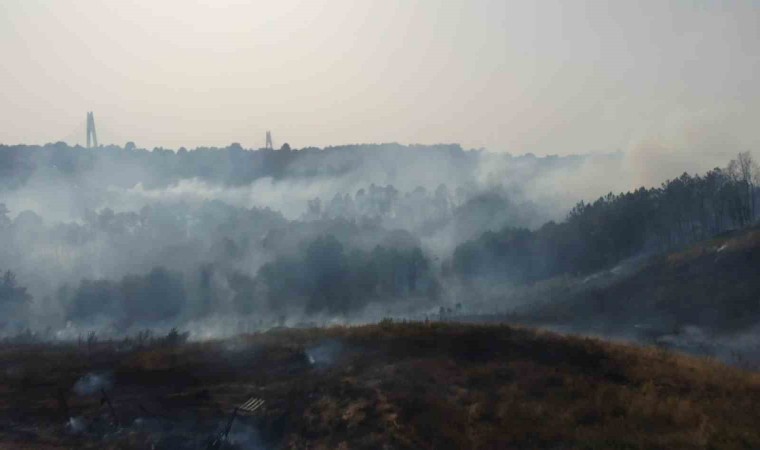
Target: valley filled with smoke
{"points": [[216, 241]]}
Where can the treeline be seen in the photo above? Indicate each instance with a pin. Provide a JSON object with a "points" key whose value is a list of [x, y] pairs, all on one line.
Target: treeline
{"points": [[325, 278], [598, 235], [230, 166], [234, 165], [213, 253], [465, 212], [157, 296], [329, 278]]}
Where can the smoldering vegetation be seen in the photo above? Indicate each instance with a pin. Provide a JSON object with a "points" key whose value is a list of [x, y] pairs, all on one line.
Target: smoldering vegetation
{"points": [[216, 241], [93, 383], [325, 353]]}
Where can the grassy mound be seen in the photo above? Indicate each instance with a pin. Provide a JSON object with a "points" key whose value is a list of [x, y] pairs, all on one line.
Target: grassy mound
{"points": [[383, 386]]}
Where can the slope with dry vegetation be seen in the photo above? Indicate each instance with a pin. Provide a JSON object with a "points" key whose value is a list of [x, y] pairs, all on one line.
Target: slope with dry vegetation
{"points": [[714, 285], [390, 385]]}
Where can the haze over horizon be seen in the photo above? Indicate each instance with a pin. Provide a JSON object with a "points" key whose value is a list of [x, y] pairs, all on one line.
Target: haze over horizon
{"points": [[547, 78], [487, 212]]}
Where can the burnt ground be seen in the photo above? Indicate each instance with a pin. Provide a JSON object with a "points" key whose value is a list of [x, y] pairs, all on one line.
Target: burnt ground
{"points": [[713, 285], [406, 386]]}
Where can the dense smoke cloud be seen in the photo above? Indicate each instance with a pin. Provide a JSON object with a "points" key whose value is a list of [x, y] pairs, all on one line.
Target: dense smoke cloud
{"points": [[225, 240], [119, 239]]}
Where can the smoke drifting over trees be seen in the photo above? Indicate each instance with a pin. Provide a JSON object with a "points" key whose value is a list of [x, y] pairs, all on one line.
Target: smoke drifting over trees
{"points": [[615, 227], [120, 239]]}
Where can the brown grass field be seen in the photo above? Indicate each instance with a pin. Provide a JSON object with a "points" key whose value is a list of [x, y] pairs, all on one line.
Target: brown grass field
{"points": [[391, 385]]}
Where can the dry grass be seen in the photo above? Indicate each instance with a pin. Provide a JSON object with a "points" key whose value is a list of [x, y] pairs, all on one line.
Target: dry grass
{"points": [[713, 285], [401, 386]]}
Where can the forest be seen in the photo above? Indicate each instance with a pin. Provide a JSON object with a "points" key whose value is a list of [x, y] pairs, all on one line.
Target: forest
{"points": [[211, 240], [602, 233]]}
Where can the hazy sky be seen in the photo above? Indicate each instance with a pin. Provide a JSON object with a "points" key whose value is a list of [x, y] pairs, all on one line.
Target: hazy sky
{"points": [[533, 76]]}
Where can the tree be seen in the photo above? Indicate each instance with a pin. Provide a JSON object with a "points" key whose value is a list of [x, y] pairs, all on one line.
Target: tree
{"points": [[158, 295], [11, 293], [326, 268], [744, 170], [748, 173]]}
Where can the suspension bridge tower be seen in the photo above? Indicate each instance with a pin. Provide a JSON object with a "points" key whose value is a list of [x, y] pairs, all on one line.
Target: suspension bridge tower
{"points": [[269, 145], [92, 136]]}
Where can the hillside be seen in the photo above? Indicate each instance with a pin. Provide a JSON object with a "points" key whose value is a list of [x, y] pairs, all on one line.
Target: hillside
{"points": [[382, 386], [713, 285]]}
